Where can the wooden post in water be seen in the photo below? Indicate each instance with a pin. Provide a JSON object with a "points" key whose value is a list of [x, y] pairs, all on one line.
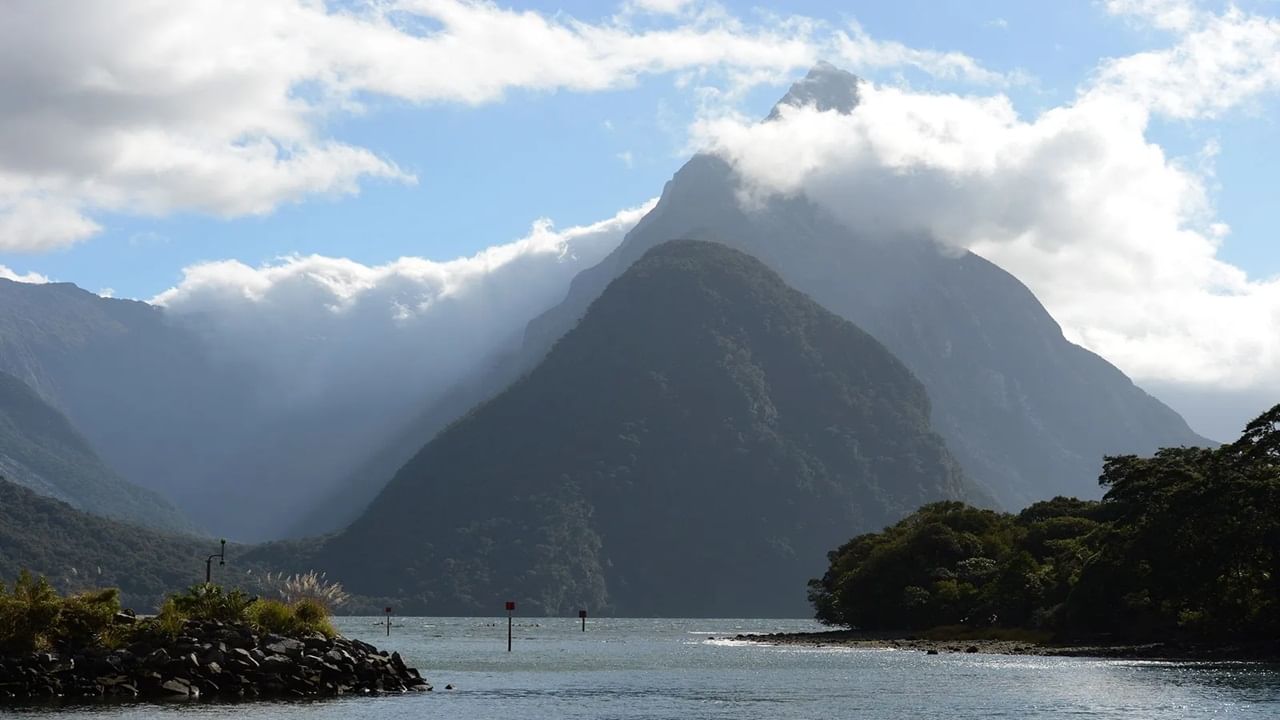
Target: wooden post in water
{"points": [[583, 614], [511, 608], [388, 611]]}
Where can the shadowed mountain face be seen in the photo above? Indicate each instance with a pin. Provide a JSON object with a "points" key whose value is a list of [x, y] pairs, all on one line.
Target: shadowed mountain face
{"points": [[41, 450], [1028, 414], [692, 447]]}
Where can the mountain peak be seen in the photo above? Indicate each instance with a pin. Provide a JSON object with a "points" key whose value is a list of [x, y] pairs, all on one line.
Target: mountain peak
{"points": [[826, 87], [697, 380]]}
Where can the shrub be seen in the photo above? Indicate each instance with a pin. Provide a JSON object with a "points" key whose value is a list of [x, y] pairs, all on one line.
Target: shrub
{"points": [[170, 619], [313, 617], [85, 617], [300, 618], [209, 602], [27, 614], [34, 617], [273, 616]]}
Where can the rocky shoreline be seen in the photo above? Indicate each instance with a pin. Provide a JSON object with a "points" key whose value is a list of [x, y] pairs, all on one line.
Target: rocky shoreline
{"points": [[1264, 651], [211, 660]]}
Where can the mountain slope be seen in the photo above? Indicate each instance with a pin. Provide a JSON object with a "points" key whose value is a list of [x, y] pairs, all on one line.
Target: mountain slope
{"points": [[40, 449], [79, 551], [691, 448], [1028, 414], [165, 406]]}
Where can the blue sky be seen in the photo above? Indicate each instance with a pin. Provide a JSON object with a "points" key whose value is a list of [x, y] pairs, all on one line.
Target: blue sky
{"points": [[484, 173]]}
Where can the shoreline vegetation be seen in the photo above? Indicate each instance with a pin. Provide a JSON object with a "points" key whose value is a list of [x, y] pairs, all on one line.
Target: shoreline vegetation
{"points": [[1179, 559], [1030, 644]]}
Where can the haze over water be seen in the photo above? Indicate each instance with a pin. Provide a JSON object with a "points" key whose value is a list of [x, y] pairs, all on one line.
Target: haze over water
{"points": [[665, 668]]}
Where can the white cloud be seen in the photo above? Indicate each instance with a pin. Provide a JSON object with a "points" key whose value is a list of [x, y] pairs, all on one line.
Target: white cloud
{"points": [[31, 277], [863, 53], [1219, 62], [1164, 14], [1116, 238], [33, 222], [331, 325], [627, 159], [667, 7], [151, 108]]}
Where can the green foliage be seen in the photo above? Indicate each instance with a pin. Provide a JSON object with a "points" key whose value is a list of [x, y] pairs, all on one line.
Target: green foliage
{"points": [[86, 616], [1185, 543], [272, 616], [207, 601], [302, 617], [34, 617], [170, 619]]}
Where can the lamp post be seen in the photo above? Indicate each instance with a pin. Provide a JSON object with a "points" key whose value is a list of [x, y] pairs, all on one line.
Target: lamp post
{"points": [[208, 563]]}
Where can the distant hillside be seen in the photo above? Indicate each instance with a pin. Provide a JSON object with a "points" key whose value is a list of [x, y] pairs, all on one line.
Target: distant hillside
{"points": [[164, 406], [40, 449], [77, 551], [693, 447]]}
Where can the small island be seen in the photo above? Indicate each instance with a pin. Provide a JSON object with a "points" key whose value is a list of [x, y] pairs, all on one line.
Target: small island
{"points": [[1179, 560], [204, 643]]}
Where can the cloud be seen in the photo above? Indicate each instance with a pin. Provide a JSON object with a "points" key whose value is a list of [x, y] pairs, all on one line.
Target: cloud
{"points": [[222, 108], [1218, 63], [1119, 240], [1163, 14], [863, 53], [662, 7], [333, 326], [32, 222], [32, 277]]}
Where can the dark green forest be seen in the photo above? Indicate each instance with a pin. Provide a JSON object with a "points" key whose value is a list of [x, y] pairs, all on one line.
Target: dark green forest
{"points": [[1184, 544], [78, 551]]}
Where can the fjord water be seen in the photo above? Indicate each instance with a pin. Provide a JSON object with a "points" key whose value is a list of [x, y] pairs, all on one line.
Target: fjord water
{"points": [[663, 668]]}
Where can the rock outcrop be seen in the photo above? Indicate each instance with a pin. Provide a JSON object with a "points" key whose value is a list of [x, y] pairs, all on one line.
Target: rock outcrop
{"points": [[210, 660]]}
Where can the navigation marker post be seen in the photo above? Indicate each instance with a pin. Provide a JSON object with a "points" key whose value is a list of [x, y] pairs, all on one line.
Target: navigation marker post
{"points": [[387, 610], [511, 608], [583, 614]]}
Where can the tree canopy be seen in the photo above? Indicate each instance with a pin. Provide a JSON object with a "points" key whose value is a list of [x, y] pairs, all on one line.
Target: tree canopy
{"points": [[1185, 543]]}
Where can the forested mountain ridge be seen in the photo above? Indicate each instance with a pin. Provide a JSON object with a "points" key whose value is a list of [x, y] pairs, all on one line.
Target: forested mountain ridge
{"points": [[79, 551], [1026, 412], [40, 449], [690, 448]]}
